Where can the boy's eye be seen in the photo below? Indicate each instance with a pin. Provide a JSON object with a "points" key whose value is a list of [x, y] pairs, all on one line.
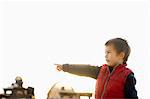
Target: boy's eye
{"points": [[108, 52]]}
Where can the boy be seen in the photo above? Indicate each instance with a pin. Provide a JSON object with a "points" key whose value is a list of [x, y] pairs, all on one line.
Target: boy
{"points": [[114, 79]]}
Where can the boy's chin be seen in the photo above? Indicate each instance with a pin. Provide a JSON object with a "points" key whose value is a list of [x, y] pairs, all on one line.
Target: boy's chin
{"points": [[111, 65]]}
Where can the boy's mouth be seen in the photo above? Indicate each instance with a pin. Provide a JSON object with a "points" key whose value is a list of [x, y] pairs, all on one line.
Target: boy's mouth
{"points": [[107, 60]]}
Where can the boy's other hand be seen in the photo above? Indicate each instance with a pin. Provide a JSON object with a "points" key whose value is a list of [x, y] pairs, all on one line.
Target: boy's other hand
{"points": [[59, 67]]}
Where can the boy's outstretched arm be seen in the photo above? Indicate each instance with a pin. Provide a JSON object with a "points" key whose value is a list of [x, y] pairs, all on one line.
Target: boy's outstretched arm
{"points": [[80, 69]]}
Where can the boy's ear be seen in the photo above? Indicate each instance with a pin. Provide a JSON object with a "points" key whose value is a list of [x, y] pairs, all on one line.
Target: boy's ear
{"points": [[122, 55]]}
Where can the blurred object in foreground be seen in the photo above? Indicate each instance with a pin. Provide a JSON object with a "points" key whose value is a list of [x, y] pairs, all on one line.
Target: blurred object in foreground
{"points": [[63, 91], [16, 91]]}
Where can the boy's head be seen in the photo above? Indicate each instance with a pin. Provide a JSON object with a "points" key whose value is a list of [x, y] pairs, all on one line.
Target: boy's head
{"points": [[117, 51]]}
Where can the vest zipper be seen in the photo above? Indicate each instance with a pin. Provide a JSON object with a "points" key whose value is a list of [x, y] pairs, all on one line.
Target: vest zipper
{"points": [[107, 83]]}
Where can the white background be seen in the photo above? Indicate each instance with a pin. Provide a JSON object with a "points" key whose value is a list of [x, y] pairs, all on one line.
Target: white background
{"points": [[37, 34]]}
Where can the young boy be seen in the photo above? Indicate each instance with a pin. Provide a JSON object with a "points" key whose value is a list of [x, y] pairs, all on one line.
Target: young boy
{"points": [[114, 79]]}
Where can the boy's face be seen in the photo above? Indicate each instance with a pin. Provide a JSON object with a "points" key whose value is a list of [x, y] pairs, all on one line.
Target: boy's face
{"points": [[112, 57]]}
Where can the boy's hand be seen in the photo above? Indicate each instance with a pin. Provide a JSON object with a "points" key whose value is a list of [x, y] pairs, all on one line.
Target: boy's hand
{"points": [[59, 67]]}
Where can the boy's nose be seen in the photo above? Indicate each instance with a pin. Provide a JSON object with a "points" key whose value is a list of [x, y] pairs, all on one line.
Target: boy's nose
{"points": [[106, 56]]}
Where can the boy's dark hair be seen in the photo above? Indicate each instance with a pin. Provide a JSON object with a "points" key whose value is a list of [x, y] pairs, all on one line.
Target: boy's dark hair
{"points": [[121, 45]]}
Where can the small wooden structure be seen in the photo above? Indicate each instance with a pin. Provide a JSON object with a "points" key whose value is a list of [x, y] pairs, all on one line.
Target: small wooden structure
{"points": [[60, 91], [16, 91]]}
